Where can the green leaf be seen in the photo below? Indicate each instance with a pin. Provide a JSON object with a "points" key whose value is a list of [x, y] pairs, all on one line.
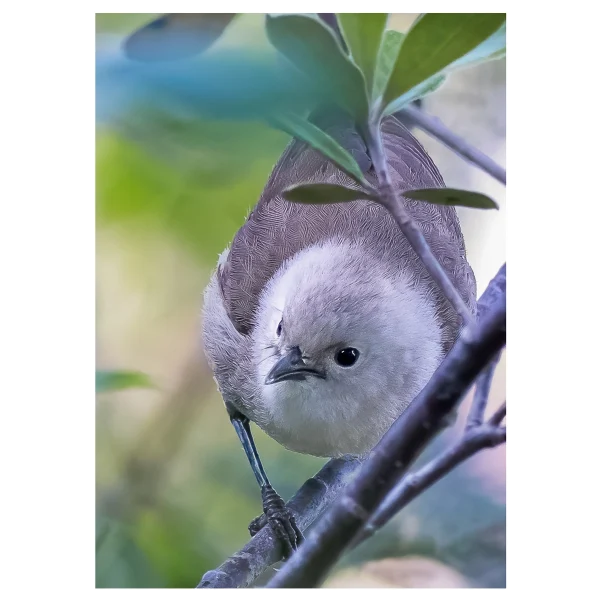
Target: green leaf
{"points": [[176, 36], [313, 48], [451, 197], [324, 193], [111, 381], [492, 48], [231, 84], [386, 59], [304, 130], [363, 33], [436, 41], [419, 17], [419, 91]]}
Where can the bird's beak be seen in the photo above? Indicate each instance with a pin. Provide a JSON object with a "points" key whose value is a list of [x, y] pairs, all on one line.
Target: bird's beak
{"points": [[291, 367]]}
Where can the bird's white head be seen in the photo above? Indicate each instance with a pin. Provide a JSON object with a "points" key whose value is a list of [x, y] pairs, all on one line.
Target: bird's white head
{"points": [[342, 344]]}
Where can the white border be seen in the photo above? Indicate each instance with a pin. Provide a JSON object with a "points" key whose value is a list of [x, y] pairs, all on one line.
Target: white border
{"points": [[92, 287]]}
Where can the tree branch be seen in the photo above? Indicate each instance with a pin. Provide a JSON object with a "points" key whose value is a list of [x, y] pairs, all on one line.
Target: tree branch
{"points": [[499, 415], [397, 450], [391, 201], [414, 484], [482, 392], [476, 436], [317, 493], [435, 128], [484, 381], [263, 550]]}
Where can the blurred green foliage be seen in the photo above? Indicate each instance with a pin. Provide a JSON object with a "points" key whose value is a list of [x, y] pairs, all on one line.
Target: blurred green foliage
{"points": [[196, 195], [109, 381], [174, 491]]}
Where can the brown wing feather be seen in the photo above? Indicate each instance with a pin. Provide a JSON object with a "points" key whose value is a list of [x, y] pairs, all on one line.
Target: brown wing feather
{"points": [[276, 229]]}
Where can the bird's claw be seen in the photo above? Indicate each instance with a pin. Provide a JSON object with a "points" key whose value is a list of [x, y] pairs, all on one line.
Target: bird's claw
{"points": [[281, 520], [257, 524]]}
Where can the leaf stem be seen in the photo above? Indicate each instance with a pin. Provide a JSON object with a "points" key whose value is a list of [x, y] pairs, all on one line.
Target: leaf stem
{"points": [[390, 200]]}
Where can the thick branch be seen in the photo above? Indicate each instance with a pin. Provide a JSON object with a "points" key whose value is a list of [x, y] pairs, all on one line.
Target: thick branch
{"points": [[400, 446], [476, 436], [435, 128], [484, 381], [389, 199], [263, 550]]}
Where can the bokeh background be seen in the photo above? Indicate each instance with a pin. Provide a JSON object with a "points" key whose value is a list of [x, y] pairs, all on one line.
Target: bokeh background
{"points": [[174, 492]]}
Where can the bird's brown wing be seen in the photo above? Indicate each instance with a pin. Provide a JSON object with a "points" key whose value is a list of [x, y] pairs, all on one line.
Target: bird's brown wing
{"points": [[276, 229]]}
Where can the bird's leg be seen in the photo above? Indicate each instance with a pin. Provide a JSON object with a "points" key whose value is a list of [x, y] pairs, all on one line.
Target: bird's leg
{"points": [[275, 512]]}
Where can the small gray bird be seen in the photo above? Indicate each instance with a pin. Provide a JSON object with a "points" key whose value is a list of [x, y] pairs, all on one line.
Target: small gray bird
{"points": [[321, 324]]}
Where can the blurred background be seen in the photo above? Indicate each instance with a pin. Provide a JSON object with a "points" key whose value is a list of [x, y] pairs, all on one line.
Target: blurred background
{"points": [[174, 492]]}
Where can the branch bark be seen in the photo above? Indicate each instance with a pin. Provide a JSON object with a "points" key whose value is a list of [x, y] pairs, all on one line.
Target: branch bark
{"points": [[436, 129], [414, 484], [482, 391], [499, 415], [400, 446], [484, 381], [263, 550]]}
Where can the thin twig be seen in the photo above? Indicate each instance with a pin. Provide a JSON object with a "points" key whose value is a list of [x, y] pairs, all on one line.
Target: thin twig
{"points": [[482, 392], [435, 128], [499, 415], [414, 484], [397, 450], [393, 203], [263, 550]]}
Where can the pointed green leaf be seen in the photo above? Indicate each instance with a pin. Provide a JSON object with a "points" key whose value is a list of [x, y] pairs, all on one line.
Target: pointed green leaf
{"points": [[419, 91], [324, 193], [451, 197], [111, 381], [419, 17], [319, 140], [176, 35], [492, 48], [363, 33], [386, 59], [313, 48], [435, 41]]}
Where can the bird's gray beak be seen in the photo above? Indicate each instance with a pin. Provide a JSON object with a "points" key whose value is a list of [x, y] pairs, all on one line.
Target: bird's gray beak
{"points": [[291, 367]]}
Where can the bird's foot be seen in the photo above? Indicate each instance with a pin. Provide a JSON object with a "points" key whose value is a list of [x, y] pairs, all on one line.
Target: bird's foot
{"points": [[281, 520], [257, 524]]}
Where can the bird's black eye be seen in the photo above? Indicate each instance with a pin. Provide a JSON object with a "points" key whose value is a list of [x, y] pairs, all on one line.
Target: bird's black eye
{"points": [[279, 327], [346, 357]]}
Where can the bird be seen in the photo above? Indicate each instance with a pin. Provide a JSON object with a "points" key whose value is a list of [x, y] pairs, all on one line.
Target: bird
{"points": [[320, 322]]}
